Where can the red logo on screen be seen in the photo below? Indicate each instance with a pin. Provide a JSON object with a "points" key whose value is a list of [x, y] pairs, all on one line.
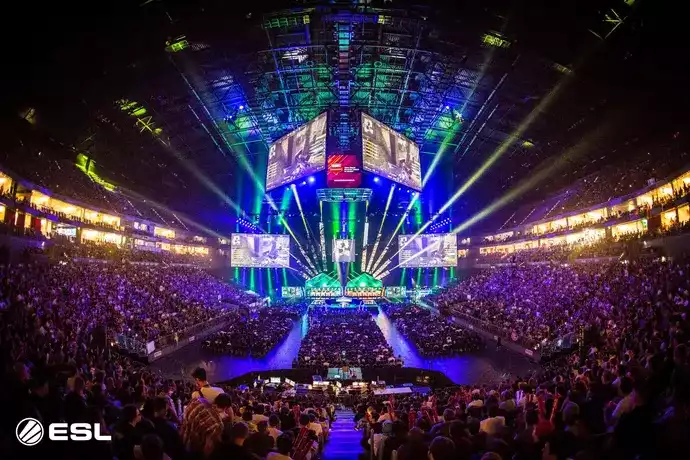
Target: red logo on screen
{"points": [[343, 171]]}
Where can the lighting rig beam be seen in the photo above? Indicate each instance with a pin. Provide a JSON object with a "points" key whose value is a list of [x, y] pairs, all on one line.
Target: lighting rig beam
{"points": [[383, 219]]}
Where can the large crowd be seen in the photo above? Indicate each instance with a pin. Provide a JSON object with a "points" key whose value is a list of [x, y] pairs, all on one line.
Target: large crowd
{"points": [[254, 335], [342, 338], [536, 304], [144, 302], [626, 394], [566, 252], [64, 247], [431, 335]]}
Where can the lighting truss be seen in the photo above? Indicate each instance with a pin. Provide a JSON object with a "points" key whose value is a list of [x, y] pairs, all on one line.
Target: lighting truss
{"points": [[344, 61], [337, 195]]}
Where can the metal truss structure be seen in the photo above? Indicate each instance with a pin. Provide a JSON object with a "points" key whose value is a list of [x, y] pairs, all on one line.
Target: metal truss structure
{"points": [[338, 195], [216, 97], [395, 66]]}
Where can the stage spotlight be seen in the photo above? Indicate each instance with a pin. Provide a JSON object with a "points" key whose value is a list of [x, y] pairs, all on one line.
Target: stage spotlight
{"points": [[312, 179], [377, 180], [241, 107], [304, 182], [447, 107]]}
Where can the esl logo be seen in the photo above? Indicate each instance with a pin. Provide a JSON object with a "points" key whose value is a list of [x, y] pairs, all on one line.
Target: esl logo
{"points": [[29, 432]]}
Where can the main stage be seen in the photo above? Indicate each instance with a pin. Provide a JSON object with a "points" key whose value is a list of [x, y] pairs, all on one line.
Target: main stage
{"points": [[390, 375]]}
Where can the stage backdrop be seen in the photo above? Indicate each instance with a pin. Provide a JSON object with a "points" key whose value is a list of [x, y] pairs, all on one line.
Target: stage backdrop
{"points": [[390, 154], [297, 154], [259, 250], [434, 250]]}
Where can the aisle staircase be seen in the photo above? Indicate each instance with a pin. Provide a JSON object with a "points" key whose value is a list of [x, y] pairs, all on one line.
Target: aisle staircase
{"points": [[344, 441]]}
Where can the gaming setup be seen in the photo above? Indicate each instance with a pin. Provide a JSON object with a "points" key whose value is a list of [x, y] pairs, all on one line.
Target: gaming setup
{"points": [[303, 153]]}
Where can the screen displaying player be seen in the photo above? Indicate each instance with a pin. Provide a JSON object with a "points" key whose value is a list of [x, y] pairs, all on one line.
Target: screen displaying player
{"points": [[290, 292], [344, 373], [396, 291], [390, 154], [343, 250], [434, 250], [297, 154], [252, 250]]}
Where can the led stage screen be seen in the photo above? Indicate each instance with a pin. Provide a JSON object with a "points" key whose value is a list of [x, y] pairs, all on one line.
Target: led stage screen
{"points": [[437, 250], [324, 292], [291, 292], [254, 250], [390, 154], [297, 154], [343, 171], [344, 373], [343, 250], [396, 291]]}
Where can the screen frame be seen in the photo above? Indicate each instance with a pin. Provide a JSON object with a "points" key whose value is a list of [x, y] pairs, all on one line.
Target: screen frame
{"points": [[418, 185], [320, 168], [258, 235], [406, 264]]}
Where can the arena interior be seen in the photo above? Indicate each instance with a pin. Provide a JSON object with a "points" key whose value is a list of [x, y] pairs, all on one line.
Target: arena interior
{"points": [[367, 230]]}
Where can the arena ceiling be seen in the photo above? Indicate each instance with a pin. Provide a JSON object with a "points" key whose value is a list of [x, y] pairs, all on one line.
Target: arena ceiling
{"points": [[179, 102]]}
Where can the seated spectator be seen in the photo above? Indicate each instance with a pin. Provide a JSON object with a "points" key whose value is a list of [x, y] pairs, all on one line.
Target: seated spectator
{"points": [[260, 443], [284, 447], [232, 445]]}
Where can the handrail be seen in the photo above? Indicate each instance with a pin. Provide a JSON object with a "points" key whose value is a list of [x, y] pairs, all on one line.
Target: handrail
{"points": [[499, 331], [195, 329], [137, 346]]}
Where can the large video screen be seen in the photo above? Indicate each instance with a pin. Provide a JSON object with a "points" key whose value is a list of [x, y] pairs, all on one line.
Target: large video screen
{"points": [[390, 154], [297, 154], [292, 292], [259, 250], [396, 291], [438, 250], [343, 171], [343, 250], [344, 373]]}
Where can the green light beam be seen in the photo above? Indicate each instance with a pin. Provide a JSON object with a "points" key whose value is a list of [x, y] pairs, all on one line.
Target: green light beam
{"points": [[442, 150], [550, 170], [365, 237], [304, 220], [376, 264], [517, 134], [383, 219]]}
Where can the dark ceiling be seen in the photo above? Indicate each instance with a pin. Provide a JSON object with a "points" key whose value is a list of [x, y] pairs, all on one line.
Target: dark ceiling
{"points": [[188, 123]]}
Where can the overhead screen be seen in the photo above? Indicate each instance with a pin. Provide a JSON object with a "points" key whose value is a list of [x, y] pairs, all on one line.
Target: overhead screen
{"points": [[343, 171], [390, 154], [343, 250], [438, 250], [297, 154], [253, 250]]}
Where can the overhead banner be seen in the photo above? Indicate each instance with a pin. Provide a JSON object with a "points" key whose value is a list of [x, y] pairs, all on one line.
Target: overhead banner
{"points": [[297, 154], [259, 250], [390, 154], [435, 250]]}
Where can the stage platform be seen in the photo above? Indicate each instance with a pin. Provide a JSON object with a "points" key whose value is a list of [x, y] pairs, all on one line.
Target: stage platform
{"points": [[391, 375], [345, 303]]}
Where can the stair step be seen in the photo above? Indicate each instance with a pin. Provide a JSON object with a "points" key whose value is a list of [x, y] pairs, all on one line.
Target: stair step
{"points": [[343, 441]]}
